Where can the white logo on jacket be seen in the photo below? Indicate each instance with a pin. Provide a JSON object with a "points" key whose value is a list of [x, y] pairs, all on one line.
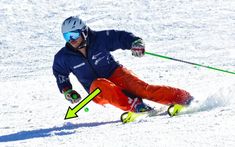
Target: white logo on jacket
{"points": [[95, 56], [79, 65], [62, 79], [98, 60]]}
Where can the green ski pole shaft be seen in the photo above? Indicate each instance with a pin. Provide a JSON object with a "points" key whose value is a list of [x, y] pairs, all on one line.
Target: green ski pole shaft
{"points": [[187, 62]]}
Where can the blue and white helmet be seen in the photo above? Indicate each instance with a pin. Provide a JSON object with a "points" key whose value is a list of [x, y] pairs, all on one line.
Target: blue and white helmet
{"points": [[74, 23]]}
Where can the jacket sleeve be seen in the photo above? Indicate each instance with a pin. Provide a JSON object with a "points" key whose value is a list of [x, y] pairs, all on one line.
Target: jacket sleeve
{"points": [[120, 39], [61, 74]]}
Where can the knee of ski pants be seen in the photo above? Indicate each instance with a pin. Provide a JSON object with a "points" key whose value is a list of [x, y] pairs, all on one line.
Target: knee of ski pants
{"points": [[101, 83], [104, 85], [111, 94]]}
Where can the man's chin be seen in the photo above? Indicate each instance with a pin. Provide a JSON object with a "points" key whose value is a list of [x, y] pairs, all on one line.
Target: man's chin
{"points": [[73, 42]]}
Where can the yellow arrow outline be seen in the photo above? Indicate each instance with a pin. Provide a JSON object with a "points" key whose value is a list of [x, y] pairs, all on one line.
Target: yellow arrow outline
{"points": [[71, 112]]}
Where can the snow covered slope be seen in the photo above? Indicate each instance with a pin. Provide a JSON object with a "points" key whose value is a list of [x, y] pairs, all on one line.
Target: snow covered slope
{"points": [[32, 109]]}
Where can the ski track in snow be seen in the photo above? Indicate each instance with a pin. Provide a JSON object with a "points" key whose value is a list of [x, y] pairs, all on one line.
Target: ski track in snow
{"points": [[32, 109]]}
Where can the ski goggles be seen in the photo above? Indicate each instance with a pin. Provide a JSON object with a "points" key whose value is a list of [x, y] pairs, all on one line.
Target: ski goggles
{"points": [[73, 35]]}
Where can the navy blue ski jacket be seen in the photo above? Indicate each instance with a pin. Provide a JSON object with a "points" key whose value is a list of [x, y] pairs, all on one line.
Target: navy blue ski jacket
{"points": [[99, 63]]}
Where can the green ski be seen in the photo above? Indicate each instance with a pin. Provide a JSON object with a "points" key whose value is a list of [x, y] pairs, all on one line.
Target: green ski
{"points": [[173, 110]]}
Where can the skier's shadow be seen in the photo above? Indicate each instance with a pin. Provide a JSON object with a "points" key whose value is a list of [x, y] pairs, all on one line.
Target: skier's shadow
{"points": [[59, 131]]}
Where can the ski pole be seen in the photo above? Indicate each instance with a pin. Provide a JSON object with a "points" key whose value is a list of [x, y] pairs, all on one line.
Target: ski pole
{"points": [[187, 62]]}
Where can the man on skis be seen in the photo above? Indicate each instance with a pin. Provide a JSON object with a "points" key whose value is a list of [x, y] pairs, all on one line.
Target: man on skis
{"points": [[86, 54]]}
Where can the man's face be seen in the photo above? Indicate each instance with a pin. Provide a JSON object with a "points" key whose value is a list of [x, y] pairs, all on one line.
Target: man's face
{"points": [[76, 43]]}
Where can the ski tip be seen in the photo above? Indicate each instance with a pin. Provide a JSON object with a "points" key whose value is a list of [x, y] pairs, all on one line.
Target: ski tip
{"points": [[128, 117], [174, 109]]}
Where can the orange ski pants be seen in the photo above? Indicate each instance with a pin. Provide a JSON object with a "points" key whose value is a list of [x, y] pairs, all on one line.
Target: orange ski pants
{"points": [[116, 90]]}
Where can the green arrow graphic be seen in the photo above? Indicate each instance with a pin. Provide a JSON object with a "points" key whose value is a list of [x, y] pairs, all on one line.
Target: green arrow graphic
{"points": [[71, 112]]}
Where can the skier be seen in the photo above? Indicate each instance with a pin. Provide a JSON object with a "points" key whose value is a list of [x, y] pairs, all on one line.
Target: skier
{"points": [[86, 54]]}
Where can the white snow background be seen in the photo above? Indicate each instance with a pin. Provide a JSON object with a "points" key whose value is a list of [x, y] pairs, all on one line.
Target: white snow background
{"points": [[202, 31]]}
